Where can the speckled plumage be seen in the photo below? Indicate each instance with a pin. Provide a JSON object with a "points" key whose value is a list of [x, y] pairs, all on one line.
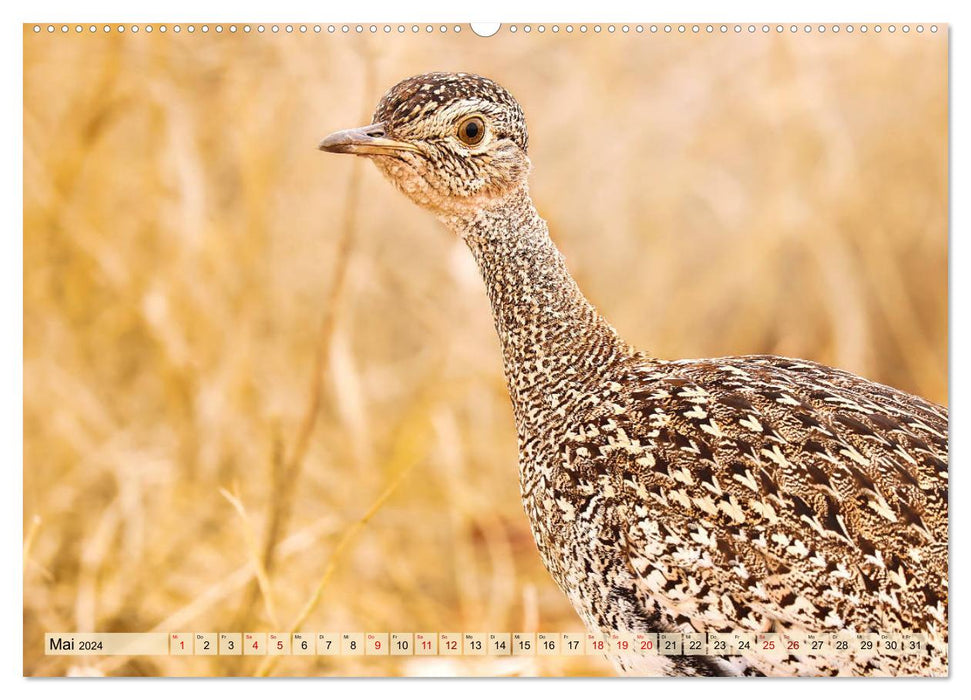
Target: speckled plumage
{"points": [[749, 493]]}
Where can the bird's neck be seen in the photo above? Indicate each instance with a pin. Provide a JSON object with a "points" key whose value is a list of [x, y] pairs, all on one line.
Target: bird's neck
{"points": [[555, 344]]}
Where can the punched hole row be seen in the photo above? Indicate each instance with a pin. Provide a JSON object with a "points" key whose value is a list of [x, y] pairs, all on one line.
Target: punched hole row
{"points": [[512, 29]]}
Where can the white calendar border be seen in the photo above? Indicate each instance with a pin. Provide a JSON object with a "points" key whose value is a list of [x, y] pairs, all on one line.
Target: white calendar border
{"points": [[11, 297]]}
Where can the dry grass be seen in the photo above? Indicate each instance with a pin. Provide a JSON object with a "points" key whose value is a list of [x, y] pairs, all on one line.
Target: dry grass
{"points": [[213, 308]]}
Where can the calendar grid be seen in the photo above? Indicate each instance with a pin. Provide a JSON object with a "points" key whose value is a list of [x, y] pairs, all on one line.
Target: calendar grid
{"points": [[481, 644]]}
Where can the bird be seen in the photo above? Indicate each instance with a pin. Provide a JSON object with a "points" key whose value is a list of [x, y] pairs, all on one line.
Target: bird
{"points": [[750, 493]]}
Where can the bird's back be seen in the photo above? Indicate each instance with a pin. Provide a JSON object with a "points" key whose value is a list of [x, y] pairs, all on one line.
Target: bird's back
{"points": [[760, 493]]}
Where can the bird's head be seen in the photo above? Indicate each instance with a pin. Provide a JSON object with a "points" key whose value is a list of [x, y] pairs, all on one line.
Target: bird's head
{"points": [[450, 141]]}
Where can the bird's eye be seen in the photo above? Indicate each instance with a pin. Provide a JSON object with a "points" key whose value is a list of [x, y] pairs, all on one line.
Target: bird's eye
{"points": [[471, 130]]}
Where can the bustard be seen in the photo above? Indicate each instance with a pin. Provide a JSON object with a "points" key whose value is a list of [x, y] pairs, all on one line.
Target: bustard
{"points": [[753, 493]]}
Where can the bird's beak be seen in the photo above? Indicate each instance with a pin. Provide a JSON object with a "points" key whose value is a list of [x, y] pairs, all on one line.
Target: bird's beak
{"points": [[364, 140]]}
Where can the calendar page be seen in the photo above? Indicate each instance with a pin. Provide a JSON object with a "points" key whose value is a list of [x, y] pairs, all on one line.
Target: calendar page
{"points": [[547, 349]]}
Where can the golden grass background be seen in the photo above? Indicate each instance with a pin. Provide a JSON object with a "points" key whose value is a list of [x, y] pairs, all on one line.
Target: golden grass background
{"points": [[262, 390]]}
